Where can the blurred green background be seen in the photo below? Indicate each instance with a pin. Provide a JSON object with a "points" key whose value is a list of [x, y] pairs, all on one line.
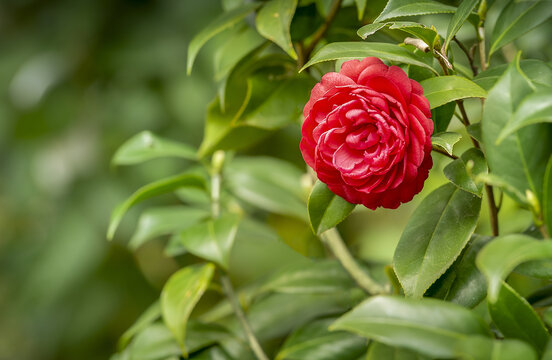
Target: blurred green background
{"points": [[78, 78]]}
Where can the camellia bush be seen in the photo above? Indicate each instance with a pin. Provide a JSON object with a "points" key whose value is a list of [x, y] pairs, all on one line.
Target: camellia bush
{"points": [[370, 95]]}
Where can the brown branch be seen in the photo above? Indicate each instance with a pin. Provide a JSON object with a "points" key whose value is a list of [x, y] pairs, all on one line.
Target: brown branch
{"points": [[321, 31]]}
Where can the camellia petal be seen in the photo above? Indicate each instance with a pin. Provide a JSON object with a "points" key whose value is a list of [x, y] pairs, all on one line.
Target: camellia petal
{"points": [[367, 134]]}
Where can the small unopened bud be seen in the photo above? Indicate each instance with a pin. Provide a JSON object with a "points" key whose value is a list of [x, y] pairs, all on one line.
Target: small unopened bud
{"points": [[535, 207], [218, 161]]}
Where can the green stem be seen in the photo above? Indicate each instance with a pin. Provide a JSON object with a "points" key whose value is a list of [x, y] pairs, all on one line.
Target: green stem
{"points": [[238, 310], [334, 241]]}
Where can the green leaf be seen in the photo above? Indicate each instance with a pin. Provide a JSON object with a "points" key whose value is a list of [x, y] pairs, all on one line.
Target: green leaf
{"points": [[520, 159], [273, 22], [326, 209], [361, 7], [501, 256], [469, 287], [159, 221], [483, 348], [318, 277], [379, 351], [535, 108], [402, 8], [426, 34], [359, 50], [429, 326], [212, 240], [537, 71], [434, 237], [516, 19], [441, 116], [267, 183], [153, 343], [515, 318], [443, 89], [446, 140], [474, 130], [148, 191], [223, 22], [315, 341], [460, 16], [180, 295], [152, 313], [146, 146], [242, 43], [457, 171], [547, 197]]}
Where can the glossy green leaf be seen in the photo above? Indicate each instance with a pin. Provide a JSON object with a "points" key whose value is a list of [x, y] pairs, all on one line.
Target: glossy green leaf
{"points": [[242, 43], [460, 16], [434, 237], [359, 50], [146, 146], [379, 351], [446, 140], [515, 318], [483, 348], [273, 22], [148, 191], [469, 287], [326, 209], [159, 221], [267, 183], [429, 326], [520, 159], [537, 71], [212, 240], [180, 295], [403, 8], [315, 341], [152, 313], [462, 172], [547, 197], [444, 89], [517, 18], [361, 7], [504, 254], [223, 22], [318, 277], [428, 35], [535, 108], [441, 116]]}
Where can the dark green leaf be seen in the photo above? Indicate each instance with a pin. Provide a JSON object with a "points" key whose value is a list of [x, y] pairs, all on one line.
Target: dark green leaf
{"points": [[462, 172], [159, 221], [434, 237], [535, 108], [474, 130], [326, 209], [146, 146], [547, 197], [483, 348], [315, 341], [429, 326], [152, 313], [148, 191], [446, 140], [273, 22], [520, 159], [441, 116], [426, 34], [402, 8], [502, 255], [460, 16], [359, 50], [212, 240], [318, 277], [444, 89], [223, 22], [517, 18], [515, 318], [379, 351], [180, 295]]}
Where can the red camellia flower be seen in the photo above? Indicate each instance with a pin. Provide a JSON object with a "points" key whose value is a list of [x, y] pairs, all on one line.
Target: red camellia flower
{"points": [[367, 134]]}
